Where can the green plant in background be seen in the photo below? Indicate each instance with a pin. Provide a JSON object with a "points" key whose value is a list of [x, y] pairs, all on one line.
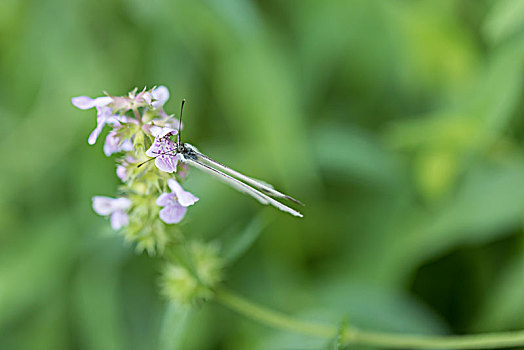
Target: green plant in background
{"points": [[193, 270], [399, 123]]}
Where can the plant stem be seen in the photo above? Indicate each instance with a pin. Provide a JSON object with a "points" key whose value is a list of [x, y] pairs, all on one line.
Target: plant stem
{"points": [[354, 336], [271, 318], [173, 327], [137, 115]]}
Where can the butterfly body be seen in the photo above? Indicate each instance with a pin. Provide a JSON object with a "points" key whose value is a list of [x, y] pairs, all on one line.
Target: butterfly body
{"points": [[187, 152], [171, 151]]}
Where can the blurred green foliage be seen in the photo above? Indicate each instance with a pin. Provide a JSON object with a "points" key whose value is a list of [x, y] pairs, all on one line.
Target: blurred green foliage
{"points": [[398, 123]]}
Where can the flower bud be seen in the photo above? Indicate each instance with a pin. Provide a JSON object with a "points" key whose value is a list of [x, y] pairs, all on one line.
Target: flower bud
{"points": [[185, 286], [138, 142]]}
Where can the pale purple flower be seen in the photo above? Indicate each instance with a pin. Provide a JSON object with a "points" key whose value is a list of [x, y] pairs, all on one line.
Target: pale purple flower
{"points": [[104, 113], [163, 149], [175, 203], [86, 102], [108, 107], [162, 132], [160, 96], [115, 207], [121, 172], [114, 144], [119, 219]]}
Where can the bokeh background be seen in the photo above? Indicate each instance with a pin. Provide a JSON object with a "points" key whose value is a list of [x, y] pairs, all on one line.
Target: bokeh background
{"points": [[399, 124]]}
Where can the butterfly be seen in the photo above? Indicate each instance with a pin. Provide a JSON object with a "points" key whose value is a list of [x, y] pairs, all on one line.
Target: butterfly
{"points": [[261, 191]]}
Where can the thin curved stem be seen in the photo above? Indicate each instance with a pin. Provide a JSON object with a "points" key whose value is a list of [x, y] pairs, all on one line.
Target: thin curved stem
{"points": [[353, 335], [270, 317]]}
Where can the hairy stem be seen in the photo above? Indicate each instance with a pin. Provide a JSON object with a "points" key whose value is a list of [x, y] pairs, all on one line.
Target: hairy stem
{"points": [[354, 336]]}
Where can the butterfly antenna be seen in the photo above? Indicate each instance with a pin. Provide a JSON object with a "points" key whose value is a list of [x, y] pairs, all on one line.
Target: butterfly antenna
{"points": [[155, 157], [180, 121], [147, 161]]}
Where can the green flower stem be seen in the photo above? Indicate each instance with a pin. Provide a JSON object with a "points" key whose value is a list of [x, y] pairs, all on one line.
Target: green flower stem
{"points": [[354, 336], [271, 318], [137, 115]]}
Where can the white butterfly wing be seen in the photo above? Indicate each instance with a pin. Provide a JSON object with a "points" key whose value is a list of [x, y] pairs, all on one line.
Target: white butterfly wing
{"points": [[240, 186], [261, 185]]}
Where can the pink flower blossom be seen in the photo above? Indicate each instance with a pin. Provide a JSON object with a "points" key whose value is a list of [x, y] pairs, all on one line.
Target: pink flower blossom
{"points": [[121, 172], [175, 203], [113, 207], [114, 144], [104, 113], [160, 96], [163, 149]]}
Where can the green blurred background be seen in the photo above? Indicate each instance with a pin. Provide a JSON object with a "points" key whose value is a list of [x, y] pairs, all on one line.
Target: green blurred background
{"points": [[398, 123]]}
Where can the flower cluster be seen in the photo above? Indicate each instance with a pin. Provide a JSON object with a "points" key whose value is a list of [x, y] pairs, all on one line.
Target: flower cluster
{"points": [[151, 198]]}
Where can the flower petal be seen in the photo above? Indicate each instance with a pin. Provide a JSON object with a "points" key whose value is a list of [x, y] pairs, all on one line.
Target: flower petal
{"points": [[103, 205], [144, 97], [114, 144], [161, 95], [83, 102], [166, 162], [86, 102], [172, 214], [126, 146], [119, 219], [111, 144], [121, 172], [165, 199], [160, 146], [185, 198], [121, 203], [94, 135], [162, 132], [105, 114], [153, 151]]}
